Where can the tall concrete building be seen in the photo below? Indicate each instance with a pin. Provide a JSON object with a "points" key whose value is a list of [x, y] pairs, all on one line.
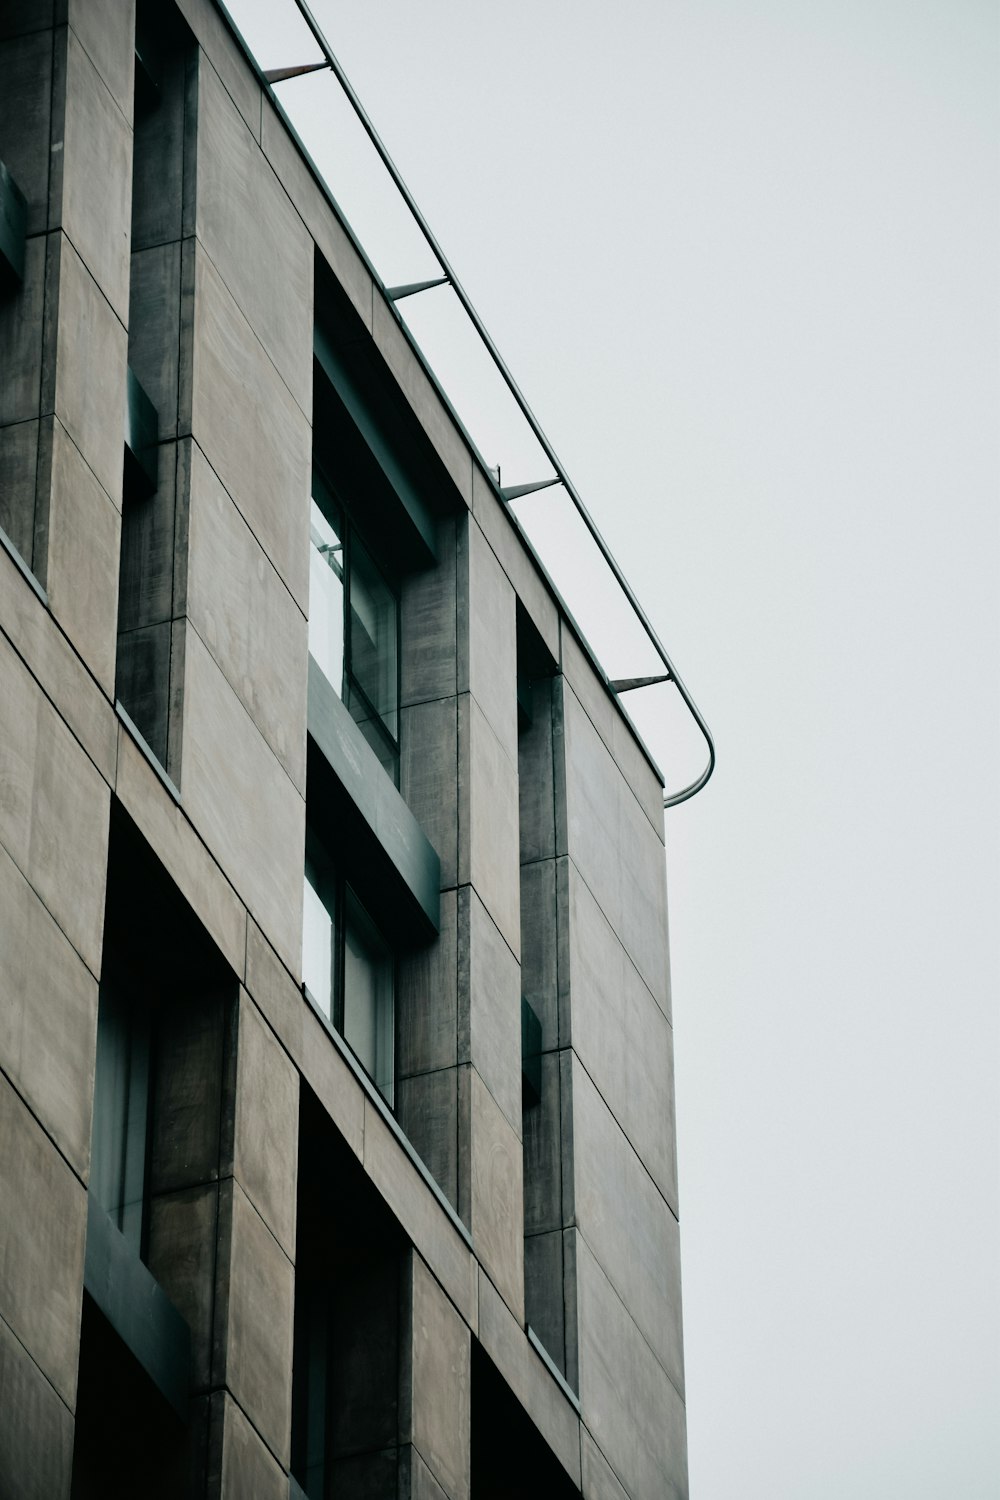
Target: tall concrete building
{"points": [[336, 1112]]}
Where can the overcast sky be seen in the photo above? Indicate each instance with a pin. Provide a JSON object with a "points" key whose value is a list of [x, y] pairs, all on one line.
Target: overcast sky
{"points": [[742, 259]]}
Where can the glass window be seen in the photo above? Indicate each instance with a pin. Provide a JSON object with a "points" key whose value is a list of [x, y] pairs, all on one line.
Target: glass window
{"points": [[354, 626], [349, 969], [121, 1111], [326, 595], [368, 994]]}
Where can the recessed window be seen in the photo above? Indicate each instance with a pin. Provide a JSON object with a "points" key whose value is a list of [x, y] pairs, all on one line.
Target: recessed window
{"points": [[349, 968], [354, 625], [121, 1111]]}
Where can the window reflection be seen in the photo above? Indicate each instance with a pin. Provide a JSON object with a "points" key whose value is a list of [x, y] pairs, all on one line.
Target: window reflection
{"points": [[349, 968], [354, 625]]}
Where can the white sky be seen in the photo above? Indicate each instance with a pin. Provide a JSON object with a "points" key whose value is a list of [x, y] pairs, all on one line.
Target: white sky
{"points": [[742, 259]]}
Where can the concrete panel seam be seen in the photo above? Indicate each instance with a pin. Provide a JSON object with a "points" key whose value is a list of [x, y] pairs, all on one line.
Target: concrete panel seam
{"points": [[38, 1121], [41, 899], [91, 277], [93, 64], [239, 309], [660, 832], [189, 436], [248, 715], [23, 567], [628, 1140], [135, 734], [218, 868], [20, 1343], [231, 1177], [601, 1451], [48, 697], [614, 930], [653, 1354], [372, 1096]]}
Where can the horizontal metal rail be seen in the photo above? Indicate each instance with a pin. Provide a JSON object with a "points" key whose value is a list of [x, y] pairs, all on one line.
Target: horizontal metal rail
{"points": [[561, 476]]}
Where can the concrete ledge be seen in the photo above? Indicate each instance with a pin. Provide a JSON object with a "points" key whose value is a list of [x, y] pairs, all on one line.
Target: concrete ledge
{"points": [[137, 1308], [397, 835]]}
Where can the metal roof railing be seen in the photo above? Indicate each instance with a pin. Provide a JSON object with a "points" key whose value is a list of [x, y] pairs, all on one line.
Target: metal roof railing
{"points": [[449, 278]]}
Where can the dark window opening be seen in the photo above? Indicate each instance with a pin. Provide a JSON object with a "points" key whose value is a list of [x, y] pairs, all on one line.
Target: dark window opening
{"points": [[510, 1458], [350, 1271], [128, 1439]]}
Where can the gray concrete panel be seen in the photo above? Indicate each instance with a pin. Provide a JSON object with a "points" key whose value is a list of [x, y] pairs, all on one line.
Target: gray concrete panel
{"points": [[614, 728], [266, 1135], [599, 1479], [428, 776], [54, 812], [18, 469], [428, 625], [644, 888], [154, 329], [33, 633], [25, 118], [238, 1457], [36, 1438], [416, 1482], [437, 1397], [427, 999], [169, 833], [627, 1225], [622, 1036], [628, 1401], [542, 939], [643, 781], [331, 239], [395, 349], [96, 148], [427, 1110], [331, 1079], [226, 57], [48, 1018], [43, 1230], [421, 1216], [256, 240], [488, 852], [534, 1386], [183, 1235], [491, 1199], [254, 1317], [106, 28], [85, 383], [499, 529], [77, 533], [489, 1009], [247, 810], [21, 338], [274, 991], [264, 462], [247, 618], [615, 848], [487, 635]]}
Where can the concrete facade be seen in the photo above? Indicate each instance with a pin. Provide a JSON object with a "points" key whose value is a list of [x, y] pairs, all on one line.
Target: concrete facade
{"points": [[497, 1248]]}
